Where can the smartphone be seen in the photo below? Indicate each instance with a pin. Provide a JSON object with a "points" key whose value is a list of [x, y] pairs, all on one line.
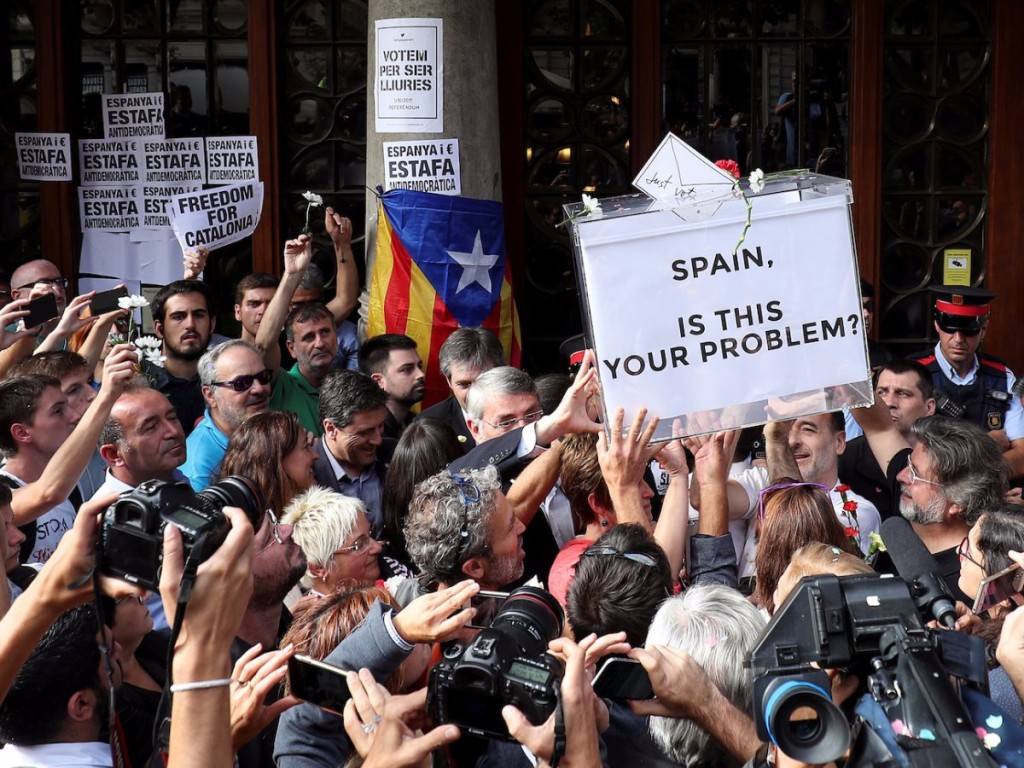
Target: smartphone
{"points": [[318, 683], [622, 678], [40, 310], [998, 587], [106, 301], [487, 604]]}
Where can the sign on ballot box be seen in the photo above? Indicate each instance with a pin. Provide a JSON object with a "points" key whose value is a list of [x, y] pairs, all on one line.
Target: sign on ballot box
{"points": [[710, 328]]}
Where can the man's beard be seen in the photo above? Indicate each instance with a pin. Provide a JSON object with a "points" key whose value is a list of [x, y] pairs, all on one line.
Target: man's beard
{"points": [[269, 592], [934, 512], [504, 571], [190, 354]]}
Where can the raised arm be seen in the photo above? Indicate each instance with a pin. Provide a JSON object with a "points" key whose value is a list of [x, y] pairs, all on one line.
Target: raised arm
{"points": [[881, 431], [69, 462], [623, 460], [673, 528], [535, 483], [347, 281], [778, 454], [297, 255]]}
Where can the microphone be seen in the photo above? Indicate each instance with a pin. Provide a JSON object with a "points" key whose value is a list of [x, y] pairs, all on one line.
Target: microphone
{"points": [[916, 566]]}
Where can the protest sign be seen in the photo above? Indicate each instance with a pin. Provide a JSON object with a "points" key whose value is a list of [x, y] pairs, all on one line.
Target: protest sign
{"points": [[109, 209], [44, 156], [713, 329], [216, 217], [426, 166], [230, 159], [174, 160], [107, 162], [155, 198], [127, 115], [408, 82]]}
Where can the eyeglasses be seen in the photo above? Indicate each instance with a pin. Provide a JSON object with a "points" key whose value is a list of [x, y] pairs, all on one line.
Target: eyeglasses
{"points": [[244, 383], [515, 422], [636, 557], [363, 542], [56, 282], [780, 486], [964, 553], [914, 477], [278, 537]]}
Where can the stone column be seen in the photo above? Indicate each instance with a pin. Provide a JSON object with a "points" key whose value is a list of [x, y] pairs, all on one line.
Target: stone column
{"points": [[469, 65]]}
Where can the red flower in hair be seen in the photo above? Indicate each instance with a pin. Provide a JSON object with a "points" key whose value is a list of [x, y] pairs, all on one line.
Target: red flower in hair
{"points": [[729, 166]]}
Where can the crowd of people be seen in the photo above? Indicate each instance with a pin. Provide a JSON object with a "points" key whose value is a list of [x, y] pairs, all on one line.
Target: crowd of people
{"points": [[362, 528]]}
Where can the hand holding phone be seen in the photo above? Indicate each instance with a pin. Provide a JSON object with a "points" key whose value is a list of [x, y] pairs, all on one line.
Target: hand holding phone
{"points": [[106, 301], [621, 678], [318, 683], [41, 310]]}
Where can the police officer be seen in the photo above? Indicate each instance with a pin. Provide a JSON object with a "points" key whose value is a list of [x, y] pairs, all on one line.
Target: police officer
{"points": [[978, 386]]}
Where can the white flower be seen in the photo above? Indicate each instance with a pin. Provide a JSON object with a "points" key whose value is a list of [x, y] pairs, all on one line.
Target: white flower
{"points": [[591, 205], [132, 302], [153, 356], [148, 342], [756, 180], [312, 198]]}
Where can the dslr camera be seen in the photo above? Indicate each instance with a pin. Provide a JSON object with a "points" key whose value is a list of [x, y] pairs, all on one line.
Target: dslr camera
{"points": [[506, 663], [132, 533]]}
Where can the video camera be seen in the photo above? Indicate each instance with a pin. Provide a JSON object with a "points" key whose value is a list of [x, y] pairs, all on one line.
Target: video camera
{"points": [[871, 626], [506, 663]]}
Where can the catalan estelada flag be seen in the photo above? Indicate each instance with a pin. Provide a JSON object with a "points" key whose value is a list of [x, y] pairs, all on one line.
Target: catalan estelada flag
{"points": [[441, 265]]}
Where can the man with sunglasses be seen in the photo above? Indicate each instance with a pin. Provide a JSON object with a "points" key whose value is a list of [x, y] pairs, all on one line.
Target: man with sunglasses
{"points": [[980, 384], [235, 385]]}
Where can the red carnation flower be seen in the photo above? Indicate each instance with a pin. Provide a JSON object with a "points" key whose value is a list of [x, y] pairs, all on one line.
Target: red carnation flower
{"points": [[850, 506], [842, 488], [851, 532], [730, 166]]}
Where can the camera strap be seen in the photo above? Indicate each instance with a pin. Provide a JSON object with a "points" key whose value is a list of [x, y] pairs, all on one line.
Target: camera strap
{"points": [[558, 751]]}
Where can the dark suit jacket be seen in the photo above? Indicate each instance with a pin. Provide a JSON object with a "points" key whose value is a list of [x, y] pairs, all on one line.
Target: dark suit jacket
{"points": [[324, 475], [499, 452], [450, 412]]}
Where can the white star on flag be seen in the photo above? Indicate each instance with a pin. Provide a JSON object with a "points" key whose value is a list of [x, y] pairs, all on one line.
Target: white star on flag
{"points": [[476, 266]]}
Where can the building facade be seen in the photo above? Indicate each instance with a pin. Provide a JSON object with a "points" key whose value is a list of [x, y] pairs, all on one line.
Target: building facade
{"points": [[916, 101]]}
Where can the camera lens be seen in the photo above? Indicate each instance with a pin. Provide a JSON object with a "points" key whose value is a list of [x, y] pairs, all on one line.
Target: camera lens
{"points": [[532, 618], [804, 723], [236, 491]]}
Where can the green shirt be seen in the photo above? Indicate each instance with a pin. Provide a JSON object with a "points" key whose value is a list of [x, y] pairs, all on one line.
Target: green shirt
{"points": [[293, 393]]}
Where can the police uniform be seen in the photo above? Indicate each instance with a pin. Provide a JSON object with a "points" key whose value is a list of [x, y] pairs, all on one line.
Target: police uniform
{"points": [[984, 395]]}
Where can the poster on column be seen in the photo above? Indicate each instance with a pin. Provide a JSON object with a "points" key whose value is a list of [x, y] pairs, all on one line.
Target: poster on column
{"points": [[426, 166], [44, 156], [408, 81], [105, 162], [133, 115], [216, 217], [231, 159], [174, 160], [109, 209], [715, 321]]}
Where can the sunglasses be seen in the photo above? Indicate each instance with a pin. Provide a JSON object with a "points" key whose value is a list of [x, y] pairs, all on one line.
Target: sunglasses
{"points": [[244, 383], [781, 486], [949, 328], [635, 557]]}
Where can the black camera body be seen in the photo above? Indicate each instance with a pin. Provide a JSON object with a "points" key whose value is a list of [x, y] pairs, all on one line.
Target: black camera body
{"points": [[504, 664], [131, 536]]}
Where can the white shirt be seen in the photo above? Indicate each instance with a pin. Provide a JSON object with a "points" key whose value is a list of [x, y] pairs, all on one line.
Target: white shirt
{"points": [[91, 754], [50, 527]]}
